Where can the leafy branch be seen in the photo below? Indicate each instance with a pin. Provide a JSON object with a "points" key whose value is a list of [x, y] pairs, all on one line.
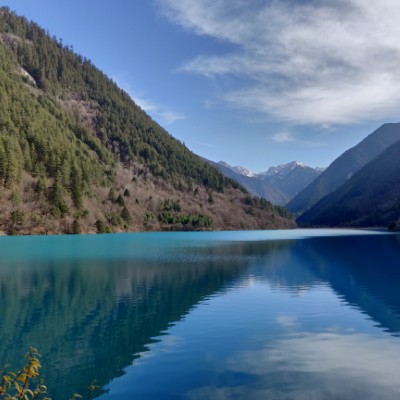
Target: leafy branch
{"points": [[27, 383]]}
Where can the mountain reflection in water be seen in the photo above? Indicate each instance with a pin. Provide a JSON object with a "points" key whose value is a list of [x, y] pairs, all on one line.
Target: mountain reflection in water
{"points": [[93, 312]]}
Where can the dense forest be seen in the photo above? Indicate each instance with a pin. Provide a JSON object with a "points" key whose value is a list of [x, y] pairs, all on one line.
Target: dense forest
{"points": [[78, 155]]}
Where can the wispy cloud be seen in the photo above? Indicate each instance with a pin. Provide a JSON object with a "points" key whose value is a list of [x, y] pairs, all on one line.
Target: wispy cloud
{"points": [[211, 146], [159, 112], [321, 62], [289, 137], [283, 137], [169, 117]]}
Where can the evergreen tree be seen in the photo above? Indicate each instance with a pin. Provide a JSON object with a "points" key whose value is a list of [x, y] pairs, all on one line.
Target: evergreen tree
{"points": [[125, 215], [120, 201], [76, 186]]}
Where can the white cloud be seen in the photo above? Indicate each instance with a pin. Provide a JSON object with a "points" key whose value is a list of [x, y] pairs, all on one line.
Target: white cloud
{"points": [[317, 62], [170, 117], [159, 112], [283, 137]]}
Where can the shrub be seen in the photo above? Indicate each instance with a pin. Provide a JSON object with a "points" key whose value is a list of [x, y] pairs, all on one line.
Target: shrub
{"points": [[27, 383]]}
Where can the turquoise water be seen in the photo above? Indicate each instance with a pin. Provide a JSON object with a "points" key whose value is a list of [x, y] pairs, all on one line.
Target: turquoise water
{"points": [[303, 314]]}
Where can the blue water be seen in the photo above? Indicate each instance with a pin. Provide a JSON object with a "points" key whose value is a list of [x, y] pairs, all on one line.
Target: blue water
{"points": [[303, 314]]}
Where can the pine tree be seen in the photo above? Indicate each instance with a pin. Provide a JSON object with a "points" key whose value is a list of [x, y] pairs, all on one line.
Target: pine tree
{"points": [[120, 201], [76, 186], [125, 215]]}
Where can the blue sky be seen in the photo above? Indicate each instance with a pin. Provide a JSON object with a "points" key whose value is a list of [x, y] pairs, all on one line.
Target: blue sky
{"points": [[254, 83]]}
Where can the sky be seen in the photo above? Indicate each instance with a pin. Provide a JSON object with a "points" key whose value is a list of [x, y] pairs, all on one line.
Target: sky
{"points": [[254, 83]]}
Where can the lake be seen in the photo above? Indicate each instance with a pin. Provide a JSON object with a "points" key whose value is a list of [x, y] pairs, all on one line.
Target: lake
{"points": [[301, 314]]}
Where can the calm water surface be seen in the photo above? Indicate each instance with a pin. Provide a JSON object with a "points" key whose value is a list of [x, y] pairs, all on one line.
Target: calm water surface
{"points": [[229, 315]]}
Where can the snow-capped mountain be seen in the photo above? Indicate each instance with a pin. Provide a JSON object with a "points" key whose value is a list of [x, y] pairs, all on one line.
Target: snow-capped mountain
{"points": [[279, 184], [238, 169], [290, 178], [283, 169]]}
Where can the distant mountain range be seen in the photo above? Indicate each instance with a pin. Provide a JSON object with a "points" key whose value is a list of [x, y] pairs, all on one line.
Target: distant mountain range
{"points": [[361, 188], [279, 184], [290, 178], [344, 167], [238, 170]]}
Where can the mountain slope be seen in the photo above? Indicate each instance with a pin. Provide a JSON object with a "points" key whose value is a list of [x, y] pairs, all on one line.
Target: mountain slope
{"points": [[77, 154], [253, 184], [237, 169], [345, 166], [371, 197], [278, 185], [290, 178]]}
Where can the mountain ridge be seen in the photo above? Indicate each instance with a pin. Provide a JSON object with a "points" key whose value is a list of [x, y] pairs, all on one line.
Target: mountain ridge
{"points": [[255, 186], [278, 184], [282, 169], [370, 198], [343, 167]]}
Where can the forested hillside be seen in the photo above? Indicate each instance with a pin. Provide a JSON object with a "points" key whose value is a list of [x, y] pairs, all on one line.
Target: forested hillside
{"points": [[78, 155]]}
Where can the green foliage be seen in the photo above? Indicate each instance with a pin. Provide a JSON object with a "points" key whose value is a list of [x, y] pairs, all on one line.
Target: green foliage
{"points": [[11, 158], [16, 220], [63, 122], [170, 214], [114, 219], [149, 218], [41, 185], [102, 227], [120, 201], [76, 227], [170, 205], [111, 195], [60, 208], [119, 129], [201, 221], [125, 215], [37, 135], [16, 198], [264, 204], [76, 185], [17, 217]]}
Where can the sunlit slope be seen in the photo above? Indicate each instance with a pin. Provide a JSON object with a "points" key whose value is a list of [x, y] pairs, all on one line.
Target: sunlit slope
{"points": [[78, 155]]}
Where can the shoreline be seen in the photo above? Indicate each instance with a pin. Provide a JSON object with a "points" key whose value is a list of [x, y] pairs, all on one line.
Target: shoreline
{"points": [[366, 229]]}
